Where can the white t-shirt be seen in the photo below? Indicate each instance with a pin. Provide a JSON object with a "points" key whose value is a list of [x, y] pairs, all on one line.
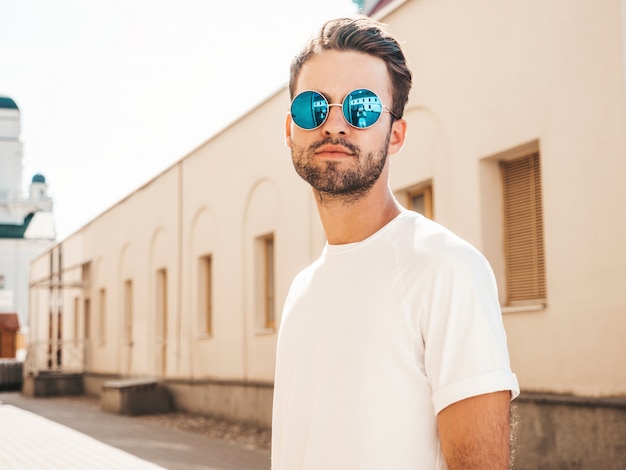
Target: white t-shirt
{"points": [[376, 338]]}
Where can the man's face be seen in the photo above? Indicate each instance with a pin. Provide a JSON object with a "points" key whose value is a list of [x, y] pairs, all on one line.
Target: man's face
{"points": [[337, 159]]}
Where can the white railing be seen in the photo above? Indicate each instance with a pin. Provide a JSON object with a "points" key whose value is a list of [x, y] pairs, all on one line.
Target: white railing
{"points": [[56, 355]]}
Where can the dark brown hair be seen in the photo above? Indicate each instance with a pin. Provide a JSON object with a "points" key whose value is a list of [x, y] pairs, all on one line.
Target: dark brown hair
{"points": [[365, 35]]}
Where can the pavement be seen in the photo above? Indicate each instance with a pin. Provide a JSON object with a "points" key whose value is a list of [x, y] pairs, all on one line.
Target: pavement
{"points": [[56, 433]]}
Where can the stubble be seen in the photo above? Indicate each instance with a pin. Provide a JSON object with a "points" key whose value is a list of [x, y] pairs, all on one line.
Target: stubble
{"points": [[335, 180]]}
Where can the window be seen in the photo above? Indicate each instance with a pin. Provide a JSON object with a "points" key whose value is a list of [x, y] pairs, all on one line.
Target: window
{"points": [[205, 292], [161, 303], [161, 318], [265, 281], [102, 302], [418, 198], [76, 319], [86, 273], [523, 231], [85, 280], [86, 319], [421, 201], [128, 312]]}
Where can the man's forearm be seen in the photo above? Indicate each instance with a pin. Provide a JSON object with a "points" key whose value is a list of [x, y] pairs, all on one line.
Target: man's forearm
{"points": [[475, 433]]}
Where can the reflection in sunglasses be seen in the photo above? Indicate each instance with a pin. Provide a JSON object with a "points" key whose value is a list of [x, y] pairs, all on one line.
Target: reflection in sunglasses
{"points": [[361, 108]]}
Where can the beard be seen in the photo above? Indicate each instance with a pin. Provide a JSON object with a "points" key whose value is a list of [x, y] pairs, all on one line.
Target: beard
{"points": [[331, 179]]}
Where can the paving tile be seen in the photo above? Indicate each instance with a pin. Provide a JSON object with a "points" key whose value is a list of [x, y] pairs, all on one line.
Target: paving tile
{"points": [[29, 441], [36, 431]]}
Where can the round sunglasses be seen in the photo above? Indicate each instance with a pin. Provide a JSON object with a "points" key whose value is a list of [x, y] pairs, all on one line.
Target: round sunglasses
{"points": [[361, 108]]}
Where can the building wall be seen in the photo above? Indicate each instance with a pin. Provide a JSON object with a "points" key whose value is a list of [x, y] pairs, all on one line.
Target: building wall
{"points": [[216, 201], [569, 432], [493, 79]]}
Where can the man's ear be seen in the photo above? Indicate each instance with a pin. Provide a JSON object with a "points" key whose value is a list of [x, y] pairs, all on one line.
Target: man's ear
{"points": [[288, 130], [397, 137]]}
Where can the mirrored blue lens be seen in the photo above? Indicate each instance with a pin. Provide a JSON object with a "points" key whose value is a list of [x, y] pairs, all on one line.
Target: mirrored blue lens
{"points": [[362, 108], [309, 110]]}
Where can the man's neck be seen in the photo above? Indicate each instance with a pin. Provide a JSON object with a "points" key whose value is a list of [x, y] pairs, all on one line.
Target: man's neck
{"points": [[348, 221]]}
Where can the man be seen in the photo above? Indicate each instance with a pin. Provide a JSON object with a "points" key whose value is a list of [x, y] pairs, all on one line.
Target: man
{"points": [[391, 352]]}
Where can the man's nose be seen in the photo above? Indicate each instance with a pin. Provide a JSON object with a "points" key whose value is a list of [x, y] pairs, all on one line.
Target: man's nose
{"points": [[335, 122]]}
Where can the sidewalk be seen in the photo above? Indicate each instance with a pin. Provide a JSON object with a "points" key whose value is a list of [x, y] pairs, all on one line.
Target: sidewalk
{"points": [[57, 433]]}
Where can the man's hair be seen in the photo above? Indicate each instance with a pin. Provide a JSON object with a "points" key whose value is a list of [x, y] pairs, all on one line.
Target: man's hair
{"points": [[365, 35]]}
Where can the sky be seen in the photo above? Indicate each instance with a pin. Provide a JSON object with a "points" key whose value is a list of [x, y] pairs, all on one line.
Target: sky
{"points": [[113, 92]]}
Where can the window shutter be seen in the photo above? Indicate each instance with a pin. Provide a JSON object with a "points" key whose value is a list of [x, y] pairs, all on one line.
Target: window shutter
{"points": [[523, 231]]}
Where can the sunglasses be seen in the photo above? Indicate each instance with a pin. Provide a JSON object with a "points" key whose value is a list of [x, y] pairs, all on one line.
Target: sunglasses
{"points": [[361, 108]]}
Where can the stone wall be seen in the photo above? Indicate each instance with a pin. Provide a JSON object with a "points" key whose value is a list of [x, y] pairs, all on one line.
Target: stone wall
{"points": [[563, 432]]}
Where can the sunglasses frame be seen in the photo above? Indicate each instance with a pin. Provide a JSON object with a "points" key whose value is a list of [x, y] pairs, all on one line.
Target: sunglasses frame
{"points": [[341, 105]]}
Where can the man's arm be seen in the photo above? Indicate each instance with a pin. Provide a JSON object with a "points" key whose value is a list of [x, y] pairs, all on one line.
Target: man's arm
{"points": [[475, 433]]}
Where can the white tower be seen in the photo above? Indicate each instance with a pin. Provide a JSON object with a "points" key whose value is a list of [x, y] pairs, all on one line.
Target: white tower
{"points": [[26, 224], [10, 152]]}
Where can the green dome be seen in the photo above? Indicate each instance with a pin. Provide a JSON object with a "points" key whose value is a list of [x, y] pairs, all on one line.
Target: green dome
{"points": [[7, 103], [39, 178]]}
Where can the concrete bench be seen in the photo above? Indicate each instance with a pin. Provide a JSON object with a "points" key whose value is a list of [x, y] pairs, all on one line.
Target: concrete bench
{"points": [[49, 383], [135, 396]]}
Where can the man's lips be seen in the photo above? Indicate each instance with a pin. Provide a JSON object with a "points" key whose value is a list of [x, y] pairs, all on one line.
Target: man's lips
{"points": [[334, 151]]}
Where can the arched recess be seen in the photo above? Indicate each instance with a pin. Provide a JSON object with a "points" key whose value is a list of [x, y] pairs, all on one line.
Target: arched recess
{"points": [[260, 228], [263, 286], [161, 312], [204, 262], [262, 207], [93, 320], [127, 279]]}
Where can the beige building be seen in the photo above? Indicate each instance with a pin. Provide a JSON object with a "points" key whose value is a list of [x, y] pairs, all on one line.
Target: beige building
{"points": [[517, 142]]}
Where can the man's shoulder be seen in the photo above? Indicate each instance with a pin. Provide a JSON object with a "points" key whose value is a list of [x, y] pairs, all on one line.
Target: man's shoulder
{"points": [[418, 236]]}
